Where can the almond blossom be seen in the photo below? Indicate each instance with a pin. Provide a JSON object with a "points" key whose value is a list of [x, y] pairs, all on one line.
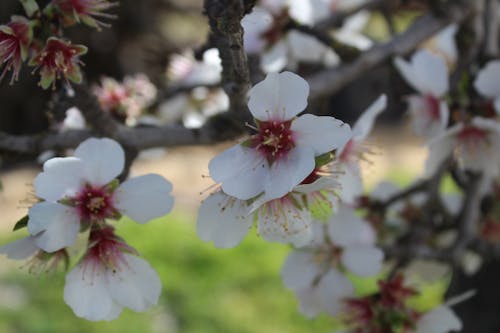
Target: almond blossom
{"points": [[444, 44], [87, 11], [265, 34], [389, 312], [110, 277], [428, 74], [81, 191], [487, 83], [316, 272], [125, 100], [354, 150], [58, 59], [475, 145], [15, 39], [225, 220], [282, 153]]}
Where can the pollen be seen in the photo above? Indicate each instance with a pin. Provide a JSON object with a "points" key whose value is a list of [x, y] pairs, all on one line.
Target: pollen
{"points": [[275, 139]]}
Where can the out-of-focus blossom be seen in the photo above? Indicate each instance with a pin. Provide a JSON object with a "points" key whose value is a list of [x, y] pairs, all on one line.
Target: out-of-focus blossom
{"points": [[354, 150], [475, 146], [15, 39], [192, 109], [315, 272], [59, 59], [444, 45], [265, 34], [126, 101], [428, 74], [351, 31], [185, 70], [89, 12], [487, 83]]}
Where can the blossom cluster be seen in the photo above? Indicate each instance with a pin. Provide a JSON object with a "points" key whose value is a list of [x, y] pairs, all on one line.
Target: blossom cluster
{"points": [[79, 196], [53, 56]]}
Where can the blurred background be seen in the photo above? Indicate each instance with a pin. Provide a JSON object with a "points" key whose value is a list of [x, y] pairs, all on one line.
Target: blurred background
{"points": [[205, 289]]}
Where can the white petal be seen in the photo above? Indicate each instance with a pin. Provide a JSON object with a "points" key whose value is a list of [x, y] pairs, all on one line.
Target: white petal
{"points": [[351, 184], [440, 320], [365, 122], [73, 119], [487, 82], [276, 58], [241, 170], [20, 249], [144, 198], [298, 42], [446, 44], [56, 226], [333, 288], [279, 97], [86, 293], [309, 11], [300, 270], [432, 71], [223, 220], [280, 221], [254, 24], [288, 172], [348, 229], [135, 284], [309, 302], [363, 260], [323, 134], [426, 73], [440, 148], [384, 190], [104, 159], [61, 176]]}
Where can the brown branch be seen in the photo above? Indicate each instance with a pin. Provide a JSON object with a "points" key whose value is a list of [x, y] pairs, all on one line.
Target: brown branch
{"points": [[330, 81], [224, 17]]}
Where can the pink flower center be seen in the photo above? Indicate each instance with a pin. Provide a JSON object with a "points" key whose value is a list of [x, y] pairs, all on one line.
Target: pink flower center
{"points": [[94, 203], [277, 29], [433, 108], [470, 137], [275, 139]]}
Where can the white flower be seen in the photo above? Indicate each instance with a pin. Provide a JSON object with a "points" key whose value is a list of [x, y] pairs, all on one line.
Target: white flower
{"points": [[265, 35], [225, 220], [427, 74], [475, 146], [73, 120], [352, 152], [444, 45], [487, 83], [282, 154], [350, 32], [109, 278], [80, 191], [440, 320], [192, 109], [185, 70], [315, 272]]}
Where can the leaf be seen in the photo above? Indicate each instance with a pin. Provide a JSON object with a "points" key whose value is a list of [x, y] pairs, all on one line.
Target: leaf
{"points": [[22, 223], [30, 7]]}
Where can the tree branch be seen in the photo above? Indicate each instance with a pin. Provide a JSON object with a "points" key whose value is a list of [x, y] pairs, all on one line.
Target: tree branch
{"points": [[330, 81]]}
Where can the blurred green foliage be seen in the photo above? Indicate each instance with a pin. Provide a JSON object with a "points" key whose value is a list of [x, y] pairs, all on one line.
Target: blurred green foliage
{"points": [[206, 290]]}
